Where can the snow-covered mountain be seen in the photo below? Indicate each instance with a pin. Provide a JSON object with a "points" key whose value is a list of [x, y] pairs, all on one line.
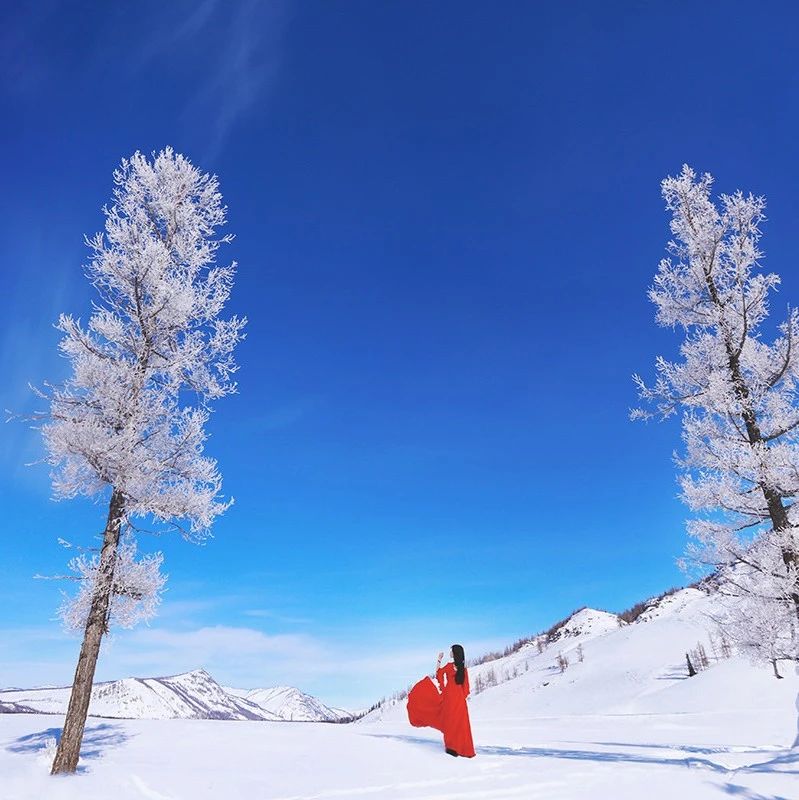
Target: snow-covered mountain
{"points": [[288, 703], [14, 708], [192, 695], [612, 667], [585, 623]]}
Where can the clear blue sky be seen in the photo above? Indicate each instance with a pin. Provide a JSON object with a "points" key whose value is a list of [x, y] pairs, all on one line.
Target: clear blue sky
{"points": [[447, 216]]}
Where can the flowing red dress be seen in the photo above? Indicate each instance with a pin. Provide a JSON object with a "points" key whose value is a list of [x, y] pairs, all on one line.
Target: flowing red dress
{"points": [[445, 711]]}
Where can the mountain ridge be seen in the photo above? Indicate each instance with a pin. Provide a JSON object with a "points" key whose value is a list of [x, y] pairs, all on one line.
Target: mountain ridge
{"points": [[188, 695]]}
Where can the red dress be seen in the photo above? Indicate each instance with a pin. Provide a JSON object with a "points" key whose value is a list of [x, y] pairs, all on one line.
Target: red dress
{"points": [[445, 711]]}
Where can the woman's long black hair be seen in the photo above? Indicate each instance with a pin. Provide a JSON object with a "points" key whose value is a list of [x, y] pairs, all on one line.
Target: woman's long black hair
{"points": [[459, 659]]}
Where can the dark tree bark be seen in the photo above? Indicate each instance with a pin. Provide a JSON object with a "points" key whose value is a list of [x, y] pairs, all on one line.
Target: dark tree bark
{"points": [[691, 670], [66, 759], [777, 512]]}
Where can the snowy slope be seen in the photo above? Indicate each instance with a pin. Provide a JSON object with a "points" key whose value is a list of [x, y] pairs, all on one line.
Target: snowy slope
{"points": [[585, 624], [192, 695], [288, 703], [636, 668], [14, 708]]}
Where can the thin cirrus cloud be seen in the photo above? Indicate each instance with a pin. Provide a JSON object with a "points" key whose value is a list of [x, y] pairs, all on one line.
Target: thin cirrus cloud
{"points": [[28, 349], [211, 643], [235, 72], [228, 54], [267, 613], [345, 674]]}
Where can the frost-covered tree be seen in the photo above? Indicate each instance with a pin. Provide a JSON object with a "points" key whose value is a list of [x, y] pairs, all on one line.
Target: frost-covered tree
{"points": [[135, 591], [128, 425], [737, 390], [762, 628]]}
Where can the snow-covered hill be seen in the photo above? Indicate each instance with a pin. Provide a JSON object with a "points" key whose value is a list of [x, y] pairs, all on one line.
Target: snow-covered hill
{"points": [[14, 708], [288, 703], [192, 695], [612, 667], [585, 623]]}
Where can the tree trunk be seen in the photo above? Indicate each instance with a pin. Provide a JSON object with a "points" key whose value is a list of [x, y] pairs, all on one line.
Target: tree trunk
{"points": [[691, 670], [66, 759], [777, 511], [776, 671], [776, 508]]}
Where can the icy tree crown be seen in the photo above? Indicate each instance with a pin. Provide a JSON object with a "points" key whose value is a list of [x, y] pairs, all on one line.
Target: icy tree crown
{"points": [[739, 403], [154, 352], [712, 280], [738, 393]]}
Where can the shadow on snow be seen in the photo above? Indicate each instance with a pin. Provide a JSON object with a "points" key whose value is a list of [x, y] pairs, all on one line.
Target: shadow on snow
{"points": [[96, 740], [775, 765], [430, 743], [747, 794], [786, 758]]}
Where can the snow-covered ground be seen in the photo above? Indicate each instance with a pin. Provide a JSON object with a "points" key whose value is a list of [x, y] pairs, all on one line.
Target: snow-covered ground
{"points": [[624, 757], [623, 721]]}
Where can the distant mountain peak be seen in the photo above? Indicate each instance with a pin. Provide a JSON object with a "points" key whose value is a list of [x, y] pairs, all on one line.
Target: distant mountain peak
{"points": [[585, 622], [291, 704], [671, 603], [188, 695]]}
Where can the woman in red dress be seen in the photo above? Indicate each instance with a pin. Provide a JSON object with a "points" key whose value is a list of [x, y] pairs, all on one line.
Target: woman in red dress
{"points": [[446, 711]]}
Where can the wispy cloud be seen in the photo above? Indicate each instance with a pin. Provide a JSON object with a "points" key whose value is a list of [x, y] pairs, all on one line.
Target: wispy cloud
{"points": [[284, 416], [225, 57], [28, 348], [245, 69], [213, 644], [267, 613], [347, 673], [235, 50]]}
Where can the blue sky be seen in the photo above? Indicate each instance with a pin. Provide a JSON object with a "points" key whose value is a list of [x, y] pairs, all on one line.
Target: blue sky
{"points": [[447, 216]]}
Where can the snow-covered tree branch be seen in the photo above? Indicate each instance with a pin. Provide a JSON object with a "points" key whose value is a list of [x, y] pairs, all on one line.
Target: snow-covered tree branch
{"points": [[135, 592]]}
